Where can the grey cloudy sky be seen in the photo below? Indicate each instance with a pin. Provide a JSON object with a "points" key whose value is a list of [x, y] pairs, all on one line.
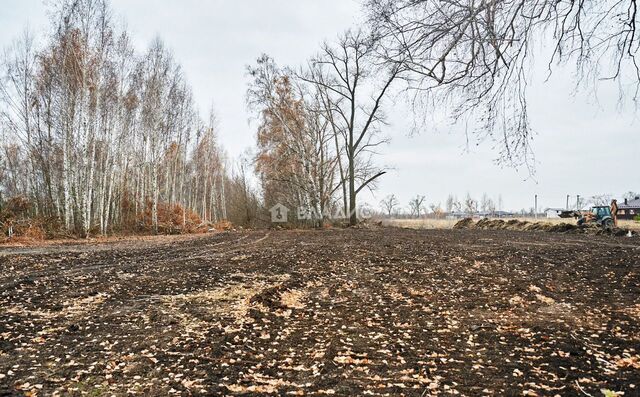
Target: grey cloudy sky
{"points": [[584, 144]]}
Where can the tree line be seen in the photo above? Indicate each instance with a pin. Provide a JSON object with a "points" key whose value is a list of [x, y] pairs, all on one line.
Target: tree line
{"points": [[99, 138], [390, 206]]}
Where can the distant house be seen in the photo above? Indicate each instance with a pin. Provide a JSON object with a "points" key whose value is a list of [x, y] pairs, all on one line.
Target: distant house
{"points": [[553, 213], [458, 215], [504, 214], [629, 209]]}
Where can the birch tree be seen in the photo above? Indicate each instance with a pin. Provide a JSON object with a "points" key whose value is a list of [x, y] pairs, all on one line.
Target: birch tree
{"points": [[100, 137]]}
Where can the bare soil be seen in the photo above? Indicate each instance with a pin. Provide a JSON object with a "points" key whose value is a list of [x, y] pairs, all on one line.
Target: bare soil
{"points": [[380, 311]]}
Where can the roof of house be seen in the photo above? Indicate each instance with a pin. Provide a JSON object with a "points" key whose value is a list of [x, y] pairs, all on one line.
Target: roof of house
{"points": [[635, 203]]}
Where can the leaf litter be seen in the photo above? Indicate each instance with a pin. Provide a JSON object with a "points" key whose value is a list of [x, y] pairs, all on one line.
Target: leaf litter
{"points": [[333, 312]]}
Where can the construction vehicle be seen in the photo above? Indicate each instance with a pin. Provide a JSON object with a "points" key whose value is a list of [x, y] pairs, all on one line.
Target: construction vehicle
{"points": [[570, 214], [600, 215]]}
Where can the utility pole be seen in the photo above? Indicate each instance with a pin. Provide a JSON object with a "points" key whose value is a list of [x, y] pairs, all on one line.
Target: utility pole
{"points": [[536, 207]]}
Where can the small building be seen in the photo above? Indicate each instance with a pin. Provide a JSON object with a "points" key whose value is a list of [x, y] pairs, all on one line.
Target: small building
{"points": [[629, 209], [504, 214], [553, 213], [459, 215]]}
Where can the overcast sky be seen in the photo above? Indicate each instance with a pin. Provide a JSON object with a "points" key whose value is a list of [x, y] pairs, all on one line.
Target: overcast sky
{"points": [[584, 144]]}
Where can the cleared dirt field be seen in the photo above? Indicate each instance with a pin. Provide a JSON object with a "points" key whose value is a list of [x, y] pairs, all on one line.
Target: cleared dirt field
{"points": [[344, 312]]}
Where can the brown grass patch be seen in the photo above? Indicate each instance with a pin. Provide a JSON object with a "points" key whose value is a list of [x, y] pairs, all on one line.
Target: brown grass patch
{"points": [[230, 301], [292, 299], [72, 309], [420, 223]]}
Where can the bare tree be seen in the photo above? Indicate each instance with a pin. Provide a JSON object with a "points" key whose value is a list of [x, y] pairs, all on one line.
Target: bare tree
{"points": [[436, 210], [354, 89], [474, 54], [416, 205], [487, 205], [244, 203], [470, 205], [16, 93], [491, 207], [449, 204], [600, 199], [389, 204]]}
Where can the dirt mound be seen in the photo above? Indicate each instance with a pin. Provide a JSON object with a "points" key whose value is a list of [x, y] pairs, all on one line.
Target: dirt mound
{"points": [[368, 224], [518, 225], [466, 223]]}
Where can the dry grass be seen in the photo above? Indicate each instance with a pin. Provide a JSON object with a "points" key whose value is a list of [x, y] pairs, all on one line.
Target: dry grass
{"points": [[292, 299], [633, 225], [421, 223], [448, 223], [233, 300], [17, 242], [623, 224]]}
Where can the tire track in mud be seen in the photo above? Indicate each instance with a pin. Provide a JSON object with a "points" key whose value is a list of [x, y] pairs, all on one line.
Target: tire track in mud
{"points": [[207, 254], [349, 312], [73, 260]]}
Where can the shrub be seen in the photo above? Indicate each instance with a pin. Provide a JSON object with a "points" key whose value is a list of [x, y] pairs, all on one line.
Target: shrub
{"points": [[13, 216], [15, 208], [223, 225], [39, 228], [172, 219], [34, 232], [637, 218]]}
